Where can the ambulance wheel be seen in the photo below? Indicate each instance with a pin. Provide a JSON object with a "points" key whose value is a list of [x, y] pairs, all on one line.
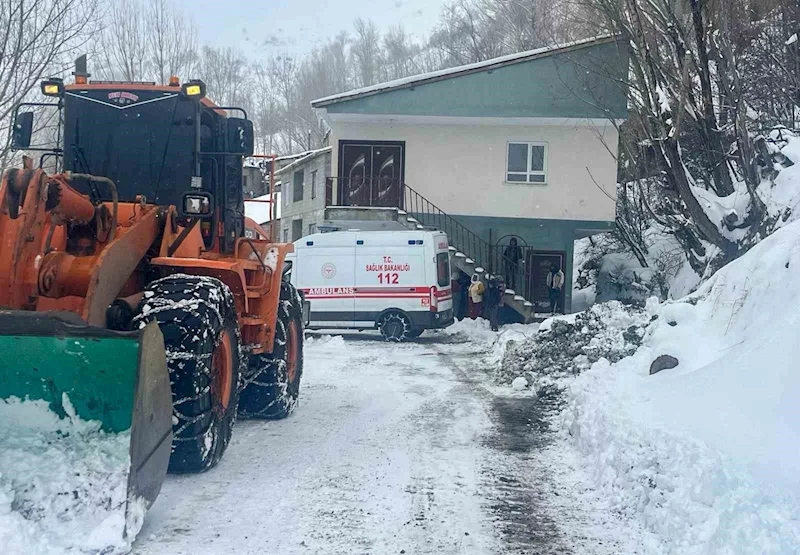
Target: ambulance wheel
{"points": [[197, 316], [272, 382], [395, 326]]}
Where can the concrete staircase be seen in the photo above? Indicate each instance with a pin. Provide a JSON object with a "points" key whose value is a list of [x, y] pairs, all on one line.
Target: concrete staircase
{"points": [[517, 302], [338, 218]]}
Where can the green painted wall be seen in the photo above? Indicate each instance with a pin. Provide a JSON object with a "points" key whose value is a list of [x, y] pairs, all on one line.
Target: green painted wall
{"points": [[581, 83], [545, 235]]}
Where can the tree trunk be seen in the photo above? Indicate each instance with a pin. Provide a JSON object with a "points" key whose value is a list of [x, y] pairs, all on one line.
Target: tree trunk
{"points": [[714, 150]]}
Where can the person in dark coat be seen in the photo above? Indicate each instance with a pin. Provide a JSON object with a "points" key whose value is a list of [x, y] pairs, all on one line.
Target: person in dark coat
{"points": [[555, 282], [511, 257], [462, 292], [493, 298]]}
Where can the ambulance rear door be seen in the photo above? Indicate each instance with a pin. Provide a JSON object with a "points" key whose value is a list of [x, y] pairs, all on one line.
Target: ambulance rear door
{"points": [[324, 271]]}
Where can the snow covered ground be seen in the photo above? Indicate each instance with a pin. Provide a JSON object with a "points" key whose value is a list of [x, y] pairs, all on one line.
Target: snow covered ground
{"points": [[393, 449], [705, 456], [414, 448], [63, 484]]}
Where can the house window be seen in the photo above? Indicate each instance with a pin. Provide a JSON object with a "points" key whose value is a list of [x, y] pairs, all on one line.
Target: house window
{"points": [[298, 186], [526, 163], [312, 228], [286, 235], [297, 229], [314, 184]]}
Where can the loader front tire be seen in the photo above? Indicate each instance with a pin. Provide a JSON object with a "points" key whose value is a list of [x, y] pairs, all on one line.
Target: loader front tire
{"points": [[197, 317], [272, 381]]}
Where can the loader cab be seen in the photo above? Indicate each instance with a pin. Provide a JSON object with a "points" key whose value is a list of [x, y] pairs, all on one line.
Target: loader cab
{"points": [[168, 144]]}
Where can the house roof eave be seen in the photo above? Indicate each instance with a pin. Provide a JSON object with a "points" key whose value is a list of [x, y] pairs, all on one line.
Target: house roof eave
{"points": [[495, 63]]}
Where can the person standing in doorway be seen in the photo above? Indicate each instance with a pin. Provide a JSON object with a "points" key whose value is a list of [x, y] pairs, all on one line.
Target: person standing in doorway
{"points": [[476, 290], [511, 258], [555, 282]]}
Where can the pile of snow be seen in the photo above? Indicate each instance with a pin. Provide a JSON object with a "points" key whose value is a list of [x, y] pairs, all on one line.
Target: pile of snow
{"points": [[63, 483], [326, 341], [706, 455], [479, 332], [567, 345]]}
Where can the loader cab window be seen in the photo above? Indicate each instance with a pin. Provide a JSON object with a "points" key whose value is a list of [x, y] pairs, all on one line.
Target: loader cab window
{"points": [[144, 141]]}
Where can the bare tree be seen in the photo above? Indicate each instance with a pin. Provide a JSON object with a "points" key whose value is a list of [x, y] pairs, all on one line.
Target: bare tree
{"points": [[171, 42], [689, 107], [366, 52], [225, 73], [400, 52], [123, 48], [267, 114], [39, 39]]}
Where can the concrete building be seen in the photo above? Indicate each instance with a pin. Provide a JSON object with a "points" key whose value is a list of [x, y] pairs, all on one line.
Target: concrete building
{"points": [[521, 146], [304, 193]]}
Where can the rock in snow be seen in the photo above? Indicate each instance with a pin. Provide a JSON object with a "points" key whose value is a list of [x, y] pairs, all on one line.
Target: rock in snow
{"points": [[663, 362]]}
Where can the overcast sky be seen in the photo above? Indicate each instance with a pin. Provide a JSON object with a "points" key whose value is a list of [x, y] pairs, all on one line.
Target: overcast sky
{"points": [[273, 26]]}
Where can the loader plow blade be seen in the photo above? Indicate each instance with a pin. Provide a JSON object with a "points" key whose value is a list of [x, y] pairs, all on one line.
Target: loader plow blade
{"points": [[85, 428]]}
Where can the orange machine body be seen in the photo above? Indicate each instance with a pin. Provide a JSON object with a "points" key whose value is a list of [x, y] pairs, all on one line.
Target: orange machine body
{"points": [[60, 251]]}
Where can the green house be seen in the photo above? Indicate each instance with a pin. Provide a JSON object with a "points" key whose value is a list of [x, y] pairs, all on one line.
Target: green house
{"points": [[522, 147]]}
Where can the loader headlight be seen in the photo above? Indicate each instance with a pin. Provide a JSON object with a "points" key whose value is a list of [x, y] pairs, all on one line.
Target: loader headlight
{"points": [[53, 87], [197, 204], [194, 89]]}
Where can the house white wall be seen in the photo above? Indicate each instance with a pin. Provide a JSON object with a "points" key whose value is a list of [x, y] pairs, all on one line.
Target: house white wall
{"points": [[461, 167]]}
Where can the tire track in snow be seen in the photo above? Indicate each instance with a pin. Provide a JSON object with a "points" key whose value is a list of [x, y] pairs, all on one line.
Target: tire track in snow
{"points": [[382, 456], [512, 483]]}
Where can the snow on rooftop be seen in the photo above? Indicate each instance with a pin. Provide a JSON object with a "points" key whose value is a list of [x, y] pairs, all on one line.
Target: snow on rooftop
{"points": [[299, 155], [305, 157], [469, 68]]}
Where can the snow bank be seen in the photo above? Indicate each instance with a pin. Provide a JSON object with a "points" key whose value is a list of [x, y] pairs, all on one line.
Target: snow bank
{"points": [[567, 345], [706, 455], [325, 341], [63, 483], [479, 331]]}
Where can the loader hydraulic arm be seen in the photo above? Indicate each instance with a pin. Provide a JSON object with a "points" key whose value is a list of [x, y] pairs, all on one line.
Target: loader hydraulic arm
{"points": [[56, 244]]}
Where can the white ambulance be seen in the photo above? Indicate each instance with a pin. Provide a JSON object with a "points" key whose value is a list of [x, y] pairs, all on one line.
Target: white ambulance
{"points": [[395, 281]]}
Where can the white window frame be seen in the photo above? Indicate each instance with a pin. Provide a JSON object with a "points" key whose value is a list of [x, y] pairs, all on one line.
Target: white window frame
{"points": [[529, 171], [314, 184]]}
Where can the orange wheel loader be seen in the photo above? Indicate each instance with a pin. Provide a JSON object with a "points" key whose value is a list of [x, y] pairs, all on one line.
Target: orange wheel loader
{"points": [[131, 282]]}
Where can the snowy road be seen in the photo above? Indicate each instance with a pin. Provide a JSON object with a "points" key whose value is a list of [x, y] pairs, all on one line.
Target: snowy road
{"points": [[394, 449]]}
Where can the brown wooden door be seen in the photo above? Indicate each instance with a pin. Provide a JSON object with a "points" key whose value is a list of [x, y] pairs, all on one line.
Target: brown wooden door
{"points": [[371, 174], [537, 265]]}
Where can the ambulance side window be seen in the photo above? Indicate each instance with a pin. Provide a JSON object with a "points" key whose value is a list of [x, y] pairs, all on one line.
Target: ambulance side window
{"points": [[443, 269], [287, 270]]}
